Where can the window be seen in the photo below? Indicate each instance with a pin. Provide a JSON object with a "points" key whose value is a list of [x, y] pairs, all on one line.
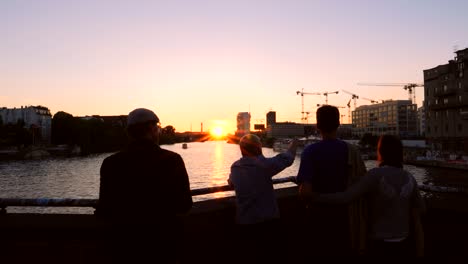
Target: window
{"points": [[445, 100], [460, 127], [437, 101], [459, 98], [459, 85], [447, 113], [445, 87], [446, 128]]}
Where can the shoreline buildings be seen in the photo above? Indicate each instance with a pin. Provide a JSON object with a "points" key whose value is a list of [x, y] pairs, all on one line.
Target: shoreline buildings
{"points": [[36, 118], [243, 124], [446, 104], [287, 129], [396, 117]]}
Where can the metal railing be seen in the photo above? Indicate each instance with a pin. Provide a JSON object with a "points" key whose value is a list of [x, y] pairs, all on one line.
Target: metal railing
{"points": [[92, 203]]}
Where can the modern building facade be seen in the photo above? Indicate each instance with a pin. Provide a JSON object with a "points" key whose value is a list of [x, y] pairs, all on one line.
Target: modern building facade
{"points": [[421, 121], [396, 117], [243, 124], [270, 118], [446, 104], [289, 129], [36, 118]]}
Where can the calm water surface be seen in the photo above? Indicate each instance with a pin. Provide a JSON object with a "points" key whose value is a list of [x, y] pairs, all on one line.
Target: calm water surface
{"points": [[208, 164]]}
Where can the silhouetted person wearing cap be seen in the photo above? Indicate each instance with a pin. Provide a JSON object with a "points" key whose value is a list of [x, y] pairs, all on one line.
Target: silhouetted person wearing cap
{"points": [[257, 209], [143, 190]]}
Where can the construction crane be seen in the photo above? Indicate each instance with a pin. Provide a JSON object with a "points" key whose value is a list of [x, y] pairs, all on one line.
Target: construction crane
{"points": [[302, 93], [326, 95], [353, 97], [410, 87], [319, 105], [371, 100], [349, 108]]}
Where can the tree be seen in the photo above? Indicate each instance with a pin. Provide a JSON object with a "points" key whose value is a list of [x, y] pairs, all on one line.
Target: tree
{"points": [[64, 129], [167, 135]]}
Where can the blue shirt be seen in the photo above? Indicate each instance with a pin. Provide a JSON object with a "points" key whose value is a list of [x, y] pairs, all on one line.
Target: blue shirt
{"points": [[325, 165]]}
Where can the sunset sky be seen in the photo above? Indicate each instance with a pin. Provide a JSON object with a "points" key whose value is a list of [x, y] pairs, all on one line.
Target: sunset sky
{"points": [[196, 62]]}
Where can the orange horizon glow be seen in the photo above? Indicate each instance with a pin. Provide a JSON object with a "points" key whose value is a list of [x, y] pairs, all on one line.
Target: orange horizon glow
{"points": [[160, 55], [218, 132], [219, 129]]}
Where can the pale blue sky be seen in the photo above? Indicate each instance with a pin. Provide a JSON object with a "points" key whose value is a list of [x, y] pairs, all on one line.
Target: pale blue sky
{"points": [[201, 61]]}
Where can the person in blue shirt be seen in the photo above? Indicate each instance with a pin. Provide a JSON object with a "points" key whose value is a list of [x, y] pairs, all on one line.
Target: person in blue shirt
{"points": [[329, 166], [393, 201], [257, 209]]}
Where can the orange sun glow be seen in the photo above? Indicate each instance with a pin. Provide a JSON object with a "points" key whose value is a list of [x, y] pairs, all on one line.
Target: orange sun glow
{"points": [[217, 132]]}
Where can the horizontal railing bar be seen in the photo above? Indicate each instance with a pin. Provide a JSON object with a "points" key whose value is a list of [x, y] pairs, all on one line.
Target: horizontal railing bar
{"points": [[224, 188], [79, 202]]}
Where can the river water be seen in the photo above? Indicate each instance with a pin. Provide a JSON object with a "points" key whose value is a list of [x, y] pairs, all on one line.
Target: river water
{"points": [[208, 164]]}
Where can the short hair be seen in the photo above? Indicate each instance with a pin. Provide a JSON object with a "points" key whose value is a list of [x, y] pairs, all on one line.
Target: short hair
{"points": [[140, 130], [250, 145], [328, 118], [390, 151]]}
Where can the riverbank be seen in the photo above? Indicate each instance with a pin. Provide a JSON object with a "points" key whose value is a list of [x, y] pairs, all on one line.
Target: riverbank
{"points": [[39, 152], [460, 165]]}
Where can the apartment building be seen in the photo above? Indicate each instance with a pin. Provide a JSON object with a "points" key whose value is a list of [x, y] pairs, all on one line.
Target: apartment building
{"points": [[36, 118], [396, 117], [446, 104]]}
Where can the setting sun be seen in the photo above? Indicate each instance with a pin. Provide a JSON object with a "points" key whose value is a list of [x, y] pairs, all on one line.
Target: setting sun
{"points": [[217, 132]]}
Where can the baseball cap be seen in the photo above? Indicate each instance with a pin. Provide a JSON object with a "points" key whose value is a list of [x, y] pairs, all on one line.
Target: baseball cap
{"points": [[141, 115]]}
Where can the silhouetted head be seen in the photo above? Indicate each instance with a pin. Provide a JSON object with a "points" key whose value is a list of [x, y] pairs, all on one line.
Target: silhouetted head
{"points": [[250, 145], [390, 151], [142, 123], [328, 118]]}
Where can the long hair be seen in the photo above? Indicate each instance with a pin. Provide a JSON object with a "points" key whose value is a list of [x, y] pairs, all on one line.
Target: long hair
{"points": [[390, 151]]}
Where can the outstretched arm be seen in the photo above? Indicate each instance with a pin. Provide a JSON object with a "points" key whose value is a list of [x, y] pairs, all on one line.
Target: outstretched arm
{"points": [[284, 160], [353, 192]]}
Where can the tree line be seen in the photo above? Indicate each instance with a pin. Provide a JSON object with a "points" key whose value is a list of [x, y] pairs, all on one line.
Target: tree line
{"points": [[91, 135]]}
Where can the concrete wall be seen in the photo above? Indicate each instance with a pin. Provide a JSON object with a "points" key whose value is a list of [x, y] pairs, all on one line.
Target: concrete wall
{"points": [[209, 232]]}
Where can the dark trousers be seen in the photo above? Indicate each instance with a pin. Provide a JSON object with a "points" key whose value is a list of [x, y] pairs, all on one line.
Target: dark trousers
{"points": [[325, 232], [380, 248], [262, 241]]}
